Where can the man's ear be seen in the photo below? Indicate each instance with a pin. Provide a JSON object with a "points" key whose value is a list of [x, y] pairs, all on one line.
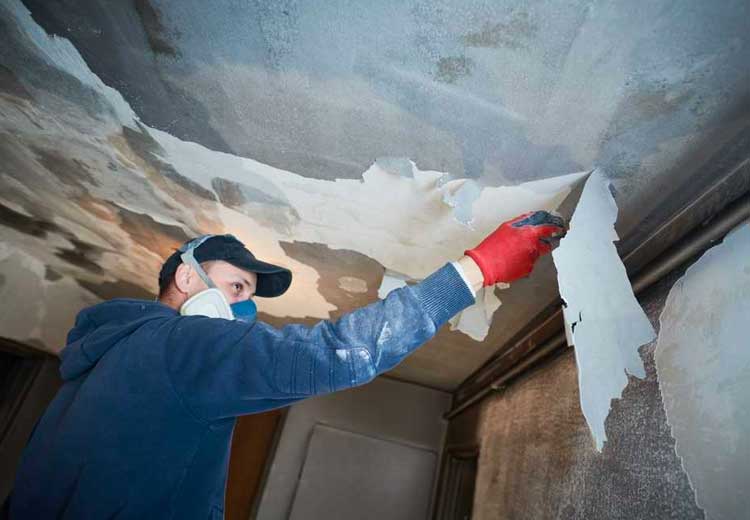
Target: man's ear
{"points": [[182, 278]]}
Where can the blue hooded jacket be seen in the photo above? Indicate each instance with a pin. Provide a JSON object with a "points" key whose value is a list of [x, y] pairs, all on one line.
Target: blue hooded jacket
{"points": [[142, 426]]}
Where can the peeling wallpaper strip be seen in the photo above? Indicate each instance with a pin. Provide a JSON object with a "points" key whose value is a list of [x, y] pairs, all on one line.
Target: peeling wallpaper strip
{"points": [[703, 366], [603, 319]]}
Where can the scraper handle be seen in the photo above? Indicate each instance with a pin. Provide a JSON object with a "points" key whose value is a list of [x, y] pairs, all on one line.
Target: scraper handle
{"points": [[510, 252]]}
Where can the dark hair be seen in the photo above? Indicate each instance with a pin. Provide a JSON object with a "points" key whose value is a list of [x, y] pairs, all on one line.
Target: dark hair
{"points": [[167, 272]]}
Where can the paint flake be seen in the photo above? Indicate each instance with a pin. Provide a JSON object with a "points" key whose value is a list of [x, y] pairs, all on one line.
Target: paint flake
{"points": [[602, 317], [475, 321]]}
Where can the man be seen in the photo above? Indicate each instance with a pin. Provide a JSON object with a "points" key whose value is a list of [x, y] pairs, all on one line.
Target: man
{"points": [[142, 426]]}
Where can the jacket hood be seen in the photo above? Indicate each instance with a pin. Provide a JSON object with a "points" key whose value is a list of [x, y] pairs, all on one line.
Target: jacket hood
{"points": [[101, 327]]}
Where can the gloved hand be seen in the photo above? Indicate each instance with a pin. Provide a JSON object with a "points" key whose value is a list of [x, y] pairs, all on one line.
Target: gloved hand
{"points": [[510, 251]]}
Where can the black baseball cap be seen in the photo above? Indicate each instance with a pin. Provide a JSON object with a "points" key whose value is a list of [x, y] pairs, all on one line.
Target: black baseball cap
{"points": [[273, 280]]}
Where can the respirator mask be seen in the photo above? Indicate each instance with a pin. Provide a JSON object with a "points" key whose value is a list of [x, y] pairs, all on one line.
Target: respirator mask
{"points": [[212, 302]]}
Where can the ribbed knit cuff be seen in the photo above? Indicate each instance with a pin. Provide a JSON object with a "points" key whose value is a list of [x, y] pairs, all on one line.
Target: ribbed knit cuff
{"points": [[443, 294]]}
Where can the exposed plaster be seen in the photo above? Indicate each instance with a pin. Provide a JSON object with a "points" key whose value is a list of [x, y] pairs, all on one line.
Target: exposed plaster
{"points": [[703, 366], [602, 317]]}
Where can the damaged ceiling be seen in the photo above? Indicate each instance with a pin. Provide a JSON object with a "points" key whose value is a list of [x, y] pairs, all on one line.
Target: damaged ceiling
{"points": [[358, 143]]}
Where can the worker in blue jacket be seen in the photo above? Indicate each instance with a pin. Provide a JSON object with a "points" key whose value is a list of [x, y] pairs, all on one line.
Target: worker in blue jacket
{"points": [[142, 425]]}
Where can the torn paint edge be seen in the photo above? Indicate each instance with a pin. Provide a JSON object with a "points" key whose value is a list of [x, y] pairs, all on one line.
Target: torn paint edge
{"points": [[573, 313]]}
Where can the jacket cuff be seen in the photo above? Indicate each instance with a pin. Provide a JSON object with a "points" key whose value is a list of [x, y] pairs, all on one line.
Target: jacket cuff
{"points": [[443, 294]]}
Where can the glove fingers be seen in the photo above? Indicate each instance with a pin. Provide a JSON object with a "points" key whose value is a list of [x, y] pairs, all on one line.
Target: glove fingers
{"points": [[538, 218], [549, 231]]}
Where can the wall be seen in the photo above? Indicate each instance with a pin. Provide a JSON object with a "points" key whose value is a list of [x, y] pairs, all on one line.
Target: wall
{"points": [[252, 446], [384, 409], [37, 384], [537, 456]]}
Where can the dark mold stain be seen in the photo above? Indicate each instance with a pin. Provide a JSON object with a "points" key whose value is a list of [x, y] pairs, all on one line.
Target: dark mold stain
{"points": [[82, 254], [147, 148], [266, 203], [2, 280], [152, 25], [9, 83], [229, 192], [513, 34], [24, 224], [69, 171], [332, 264], [173, 175], [234, 194], [155, 236], [451, 68], [51, 275], [116, 289]]}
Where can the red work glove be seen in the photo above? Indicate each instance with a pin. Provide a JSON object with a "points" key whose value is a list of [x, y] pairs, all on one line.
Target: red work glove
{"points": [[510, 251]]}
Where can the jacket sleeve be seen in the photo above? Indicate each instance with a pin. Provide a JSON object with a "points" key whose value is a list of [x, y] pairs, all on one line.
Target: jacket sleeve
{"points": [[223, 368]]}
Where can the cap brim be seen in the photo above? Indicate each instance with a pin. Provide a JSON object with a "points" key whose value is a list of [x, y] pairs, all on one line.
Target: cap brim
{"points": [[273, 280]]}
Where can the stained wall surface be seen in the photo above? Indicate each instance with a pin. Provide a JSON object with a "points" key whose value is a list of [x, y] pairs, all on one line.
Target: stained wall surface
{"points": [[538, 459]]}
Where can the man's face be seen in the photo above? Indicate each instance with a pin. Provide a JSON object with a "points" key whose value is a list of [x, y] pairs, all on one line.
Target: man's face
{"points": [[236, 284]]}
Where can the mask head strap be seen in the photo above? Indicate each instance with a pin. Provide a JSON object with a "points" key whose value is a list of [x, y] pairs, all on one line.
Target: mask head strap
{"points": [[188, 257]]}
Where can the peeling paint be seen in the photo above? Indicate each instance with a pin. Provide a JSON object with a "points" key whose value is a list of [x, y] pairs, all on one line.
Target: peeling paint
{"points": [[462, 199], [415, 236], [476, 320], [603, 319], [703, 366]]}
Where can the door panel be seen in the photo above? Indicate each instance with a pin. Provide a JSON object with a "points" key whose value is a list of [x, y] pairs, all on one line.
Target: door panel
{"points": [[349, 475]]}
